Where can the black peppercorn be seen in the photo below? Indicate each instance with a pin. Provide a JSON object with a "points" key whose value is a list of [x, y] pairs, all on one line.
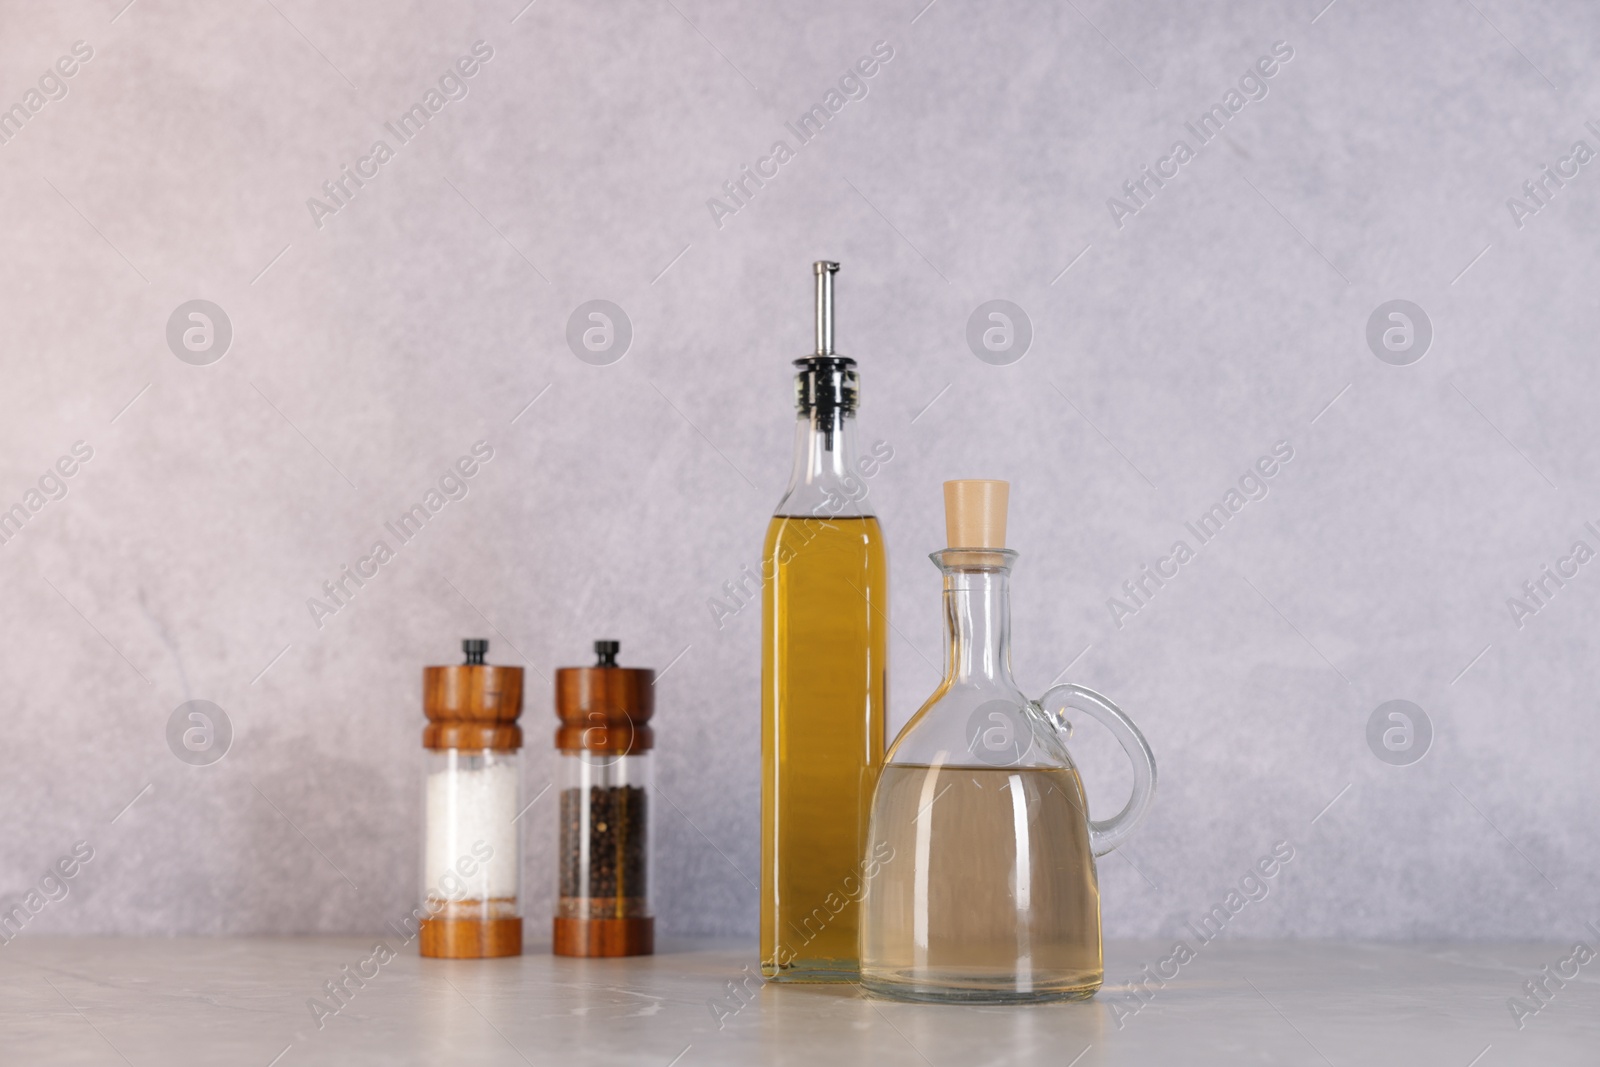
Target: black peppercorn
{"points": [[613, 885]]}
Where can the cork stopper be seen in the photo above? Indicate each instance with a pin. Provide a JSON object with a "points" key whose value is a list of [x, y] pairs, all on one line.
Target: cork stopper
{"points": [[605, 709], [975, 513], [472, 704]]}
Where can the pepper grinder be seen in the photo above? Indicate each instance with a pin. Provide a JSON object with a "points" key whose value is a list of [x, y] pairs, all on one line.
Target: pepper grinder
{"points": [[472, 858], [605, 741]]}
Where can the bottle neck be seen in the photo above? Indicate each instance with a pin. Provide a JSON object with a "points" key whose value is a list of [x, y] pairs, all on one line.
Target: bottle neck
{"points": [[824, 481], [977, 614]]}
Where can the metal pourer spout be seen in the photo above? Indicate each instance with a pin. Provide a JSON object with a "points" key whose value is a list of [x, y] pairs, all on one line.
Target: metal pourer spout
{"points": [[825, 388], [825, 272]]}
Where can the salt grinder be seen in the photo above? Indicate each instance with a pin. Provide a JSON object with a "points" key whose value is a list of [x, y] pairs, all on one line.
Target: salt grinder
{"points": [[472, 857], [605, 741]]}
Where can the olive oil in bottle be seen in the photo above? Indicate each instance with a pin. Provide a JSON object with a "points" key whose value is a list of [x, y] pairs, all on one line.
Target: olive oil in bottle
{"points": [[824, 670]]}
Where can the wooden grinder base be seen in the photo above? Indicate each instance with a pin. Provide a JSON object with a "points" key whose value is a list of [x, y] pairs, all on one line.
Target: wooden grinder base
{"points": [[471, 939], [604, 937]]}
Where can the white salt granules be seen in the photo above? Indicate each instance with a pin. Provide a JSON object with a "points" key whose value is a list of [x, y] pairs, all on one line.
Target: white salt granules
{"points": [[470, 808]]}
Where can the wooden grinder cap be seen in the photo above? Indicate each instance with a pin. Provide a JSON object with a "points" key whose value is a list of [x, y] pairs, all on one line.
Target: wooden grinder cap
{"points": [[473, 704], [975, 513], [605, 709]]}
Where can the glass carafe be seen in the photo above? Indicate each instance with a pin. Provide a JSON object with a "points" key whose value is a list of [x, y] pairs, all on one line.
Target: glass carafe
{"points": [[983, 885]]}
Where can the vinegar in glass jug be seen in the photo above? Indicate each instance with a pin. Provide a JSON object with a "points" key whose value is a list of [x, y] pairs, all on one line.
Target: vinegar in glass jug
{"points": [[988, 891]]}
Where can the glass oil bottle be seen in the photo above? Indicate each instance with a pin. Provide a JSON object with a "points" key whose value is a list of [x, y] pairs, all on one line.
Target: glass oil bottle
{"points": [[824, 671]]}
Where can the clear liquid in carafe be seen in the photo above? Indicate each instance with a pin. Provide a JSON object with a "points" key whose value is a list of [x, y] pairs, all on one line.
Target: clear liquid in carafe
{"points": [[991, 892]]}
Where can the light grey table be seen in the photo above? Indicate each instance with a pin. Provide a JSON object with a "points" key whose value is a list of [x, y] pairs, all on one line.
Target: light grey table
{"points": [[246, 1002]]}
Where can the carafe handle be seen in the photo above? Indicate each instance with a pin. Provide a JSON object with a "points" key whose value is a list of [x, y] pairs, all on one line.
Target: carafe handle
{"points": [[1107, 834]]}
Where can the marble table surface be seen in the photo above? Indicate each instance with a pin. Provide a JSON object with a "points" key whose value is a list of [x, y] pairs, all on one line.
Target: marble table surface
{"points": [[250, 1001]]}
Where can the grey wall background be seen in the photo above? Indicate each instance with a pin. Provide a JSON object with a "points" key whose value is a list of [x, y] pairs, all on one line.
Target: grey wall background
{"points": [[1228, 315]]}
